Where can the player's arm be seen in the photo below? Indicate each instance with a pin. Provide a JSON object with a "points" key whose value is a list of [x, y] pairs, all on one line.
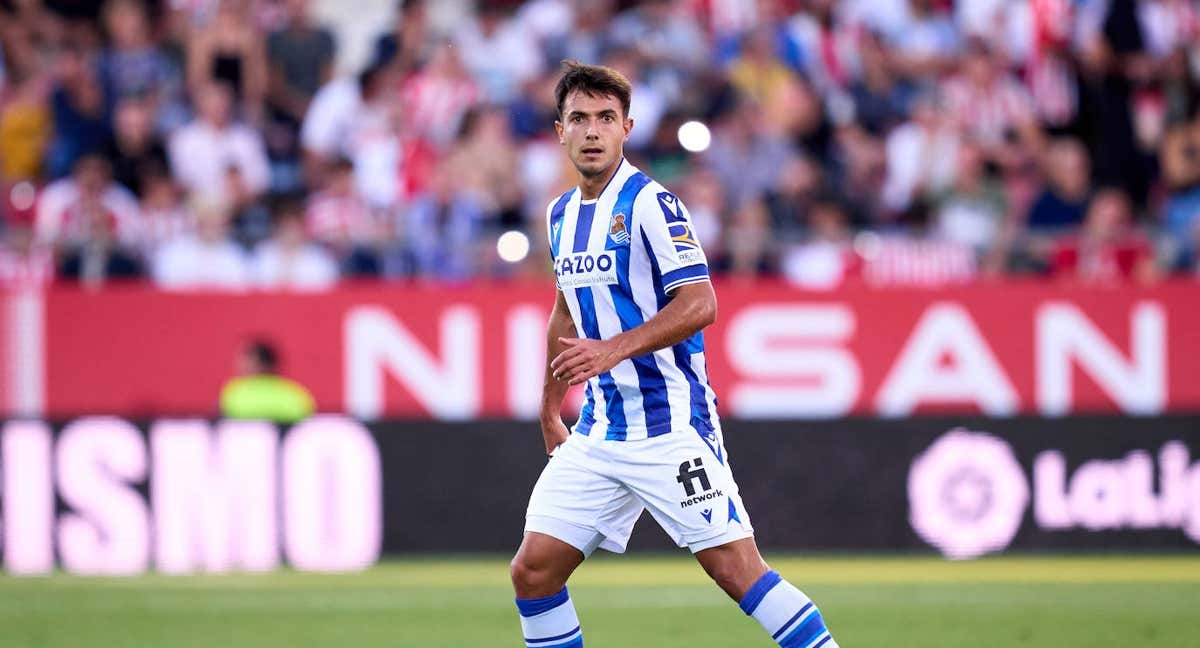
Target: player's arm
{"points": [[683, 274], [561, 327], [693, 307]]}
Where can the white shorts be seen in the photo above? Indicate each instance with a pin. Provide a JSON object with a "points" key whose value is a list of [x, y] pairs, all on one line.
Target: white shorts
{"points": [[592, 492]]}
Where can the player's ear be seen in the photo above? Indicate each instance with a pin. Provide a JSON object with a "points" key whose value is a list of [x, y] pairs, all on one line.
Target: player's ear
{"points": [[558, 128], [628, 127]]}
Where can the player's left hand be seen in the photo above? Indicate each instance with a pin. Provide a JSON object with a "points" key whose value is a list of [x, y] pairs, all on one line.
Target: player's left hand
{"points": [[583, 358]]}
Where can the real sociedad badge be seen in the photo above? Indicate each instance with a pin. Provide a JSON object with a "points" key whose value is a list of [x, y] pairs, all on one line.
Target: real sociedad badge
{"points": [[617, 230]]}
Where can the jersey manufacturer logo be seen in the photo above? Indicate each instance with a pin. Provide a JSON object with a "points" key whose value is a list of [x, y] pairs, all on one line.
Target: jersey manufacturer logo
{"points": [[586, 269], [617, 231]]}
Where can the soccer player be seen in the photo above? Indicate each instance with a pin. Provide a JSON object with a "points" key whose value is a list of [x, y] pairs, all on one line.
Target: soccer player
{"points": [[633, 295]]}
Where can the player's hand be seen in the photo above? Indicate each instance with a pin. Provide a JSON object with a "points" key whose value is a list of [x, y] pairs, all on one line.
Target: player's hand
{"points": [[554, 433], [582, 359]]}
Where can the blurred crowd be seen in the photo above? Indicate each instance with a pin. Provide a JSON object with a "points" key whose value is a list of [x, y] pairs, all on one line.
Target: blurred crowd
{"points": [[209, 143]]}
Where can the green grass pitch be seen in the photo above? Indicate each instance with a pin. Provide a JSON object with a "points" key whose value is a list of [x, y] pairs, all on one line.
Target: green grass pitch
{"points": [[623, 602]]}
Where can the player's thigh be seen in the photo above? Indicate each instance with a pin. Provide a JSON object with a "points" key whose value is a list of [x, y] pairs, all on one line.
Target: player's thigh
{"points": [[684, 483], [578, 502]]}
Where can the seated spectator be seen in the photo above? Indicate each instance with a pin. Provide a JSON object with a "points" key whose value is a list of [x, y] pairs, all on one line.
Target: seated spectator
{"points": [[971, 211], [442, 231], [24, 128], [499, 52], [339, 218], [100, 258], [206, 260], [259, 392], [300, 60], [1064, 200], [203, 152], [748, 253], [922, 156], [164, 216], [135, 151], [404, 47], [438, 96], [228, 50], [24, 262], [355, 118], [66, 207], [80, 112], [992, 106], [929, 42], [1180, 161], [759, 73], [289, 259], [485, 161], [826, 258], [1107, 249]]}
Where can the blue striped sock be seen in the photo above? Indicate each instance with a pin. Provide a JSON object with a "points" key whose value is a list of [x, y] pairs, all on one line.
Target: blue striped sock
{"points": [[786, 613], [550, 622]]}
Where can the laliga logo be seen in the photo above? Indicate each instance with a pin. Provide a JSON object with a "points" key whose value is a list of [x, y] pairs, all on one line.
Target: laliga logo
{"points": [[968, 494]]}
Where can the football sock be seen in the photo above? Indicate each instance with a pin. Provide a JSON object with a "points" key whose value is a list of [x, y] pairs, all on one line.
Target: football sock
{"points": [[550, 622], [788, 615]]}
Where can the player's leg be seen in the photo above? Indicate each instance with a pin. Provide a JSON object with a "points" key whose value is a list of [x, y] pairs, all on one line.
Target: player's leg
{"points": [[574, 509], [539, 576], [542, 566], [786, 613]]}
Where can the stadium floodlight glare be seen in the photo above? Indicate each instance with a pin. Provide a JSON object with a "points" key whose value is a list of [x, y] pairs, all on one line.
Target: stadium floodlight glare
{"points": [[694, 136], [512, 246]]}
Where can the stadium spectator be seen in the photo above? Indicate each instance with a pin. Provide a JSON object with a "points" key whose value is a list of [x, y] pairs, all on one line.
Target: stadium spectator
{"points": [[356, 118], [500, 53], [1180, 161], [135, 151], [259, 392], [24, 262], [25, 128], [164, 216], [205, 260], [406, 45], [68, 208], [971, 210], [80, 112], [300, 59], [228, 50], [485, 162], [922, 156], [670, 42], [438, 96], [826, 257], [1107, 249], [133, 65], [748, 252], [99, 258], [339, 218], [1064, 200], [203, 153], [290, 260], [442, 230]]}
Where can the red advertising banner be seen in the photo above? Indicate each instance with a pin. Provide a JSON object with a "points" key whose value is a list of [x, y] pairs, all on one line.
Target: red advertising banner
{"points": [[477, 351]]}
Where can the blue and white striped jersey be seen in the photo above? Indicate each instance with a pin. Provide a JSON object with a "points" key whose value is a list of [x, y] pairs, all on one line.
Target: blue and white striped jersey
{"points": [[617, 259]]}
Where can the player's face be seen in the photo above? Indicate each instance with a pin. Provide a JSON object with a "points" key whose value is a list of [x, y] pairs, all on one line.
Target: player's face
{"points": [[594, 130]]}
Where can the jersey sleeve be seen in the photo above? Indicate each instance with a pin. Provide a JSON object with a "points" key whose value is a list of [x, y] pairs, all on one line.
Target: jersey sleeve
{"points": [[670, 239]]}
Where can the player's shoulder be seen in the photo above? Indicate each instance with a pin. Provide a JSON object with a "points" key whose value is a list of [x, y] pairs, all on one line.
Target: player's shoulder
{"points": [[654, 198], [559, 203]]}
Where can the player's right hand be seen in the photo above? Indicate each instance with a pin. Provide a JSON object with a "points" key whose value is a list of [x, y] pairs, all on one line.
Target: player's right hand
{"points": [[554, 433]]}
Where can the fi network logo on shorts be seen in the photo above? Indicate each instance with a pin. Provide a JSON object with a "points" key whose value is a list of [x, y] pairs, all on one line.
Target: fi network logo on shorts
{"points": [[690, 472]]}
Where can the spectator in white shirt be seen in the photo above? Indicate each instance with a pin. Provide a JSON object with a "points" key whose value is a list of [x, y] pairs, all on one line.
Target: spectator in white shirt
{"points": [[203, 152], [289, 259], [206, 260], [65, 206]]}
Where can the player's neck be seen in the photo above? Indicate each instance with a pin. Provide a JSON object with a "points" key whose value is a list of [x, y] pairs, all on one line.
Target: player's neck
{"points": [[590, 187]]}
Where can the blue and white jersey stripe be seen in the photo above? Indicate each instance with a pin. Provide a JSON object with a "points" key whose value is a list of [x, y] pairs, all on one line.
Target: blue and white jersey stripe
{"points": [[617, 260]]}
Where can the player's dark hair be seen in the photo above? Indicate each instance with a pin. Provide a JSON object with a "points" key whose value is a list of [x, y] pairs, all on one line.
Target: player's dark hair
{"points": [[595, 81], [264, 354]]}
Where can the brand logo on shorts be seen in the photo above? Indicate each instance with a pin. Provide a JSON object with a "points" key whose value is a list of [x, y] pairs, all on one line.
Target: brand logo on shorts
{"points": [[692, 471]]}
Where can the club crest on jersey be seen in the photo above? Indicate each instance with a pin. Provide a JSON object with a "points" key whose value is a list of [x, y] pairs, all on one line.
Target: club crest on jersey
{"points": [[617, 231]]}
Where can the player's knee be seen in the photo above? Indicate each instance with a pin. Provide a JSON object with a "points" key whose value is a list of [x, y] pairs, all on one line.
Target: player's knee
{"points": [[531, 580]]}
